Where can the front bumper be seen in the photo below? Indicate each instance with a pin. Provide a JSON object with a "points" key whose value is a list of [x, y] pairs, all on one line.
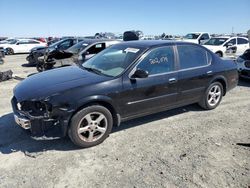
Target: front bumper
{"points": [[39, 126], [22, 121]]}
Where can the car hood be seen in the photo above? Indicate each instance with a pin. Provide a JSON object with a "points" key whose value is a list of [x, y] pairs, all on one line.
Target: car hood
{"points": [[45, 84]]}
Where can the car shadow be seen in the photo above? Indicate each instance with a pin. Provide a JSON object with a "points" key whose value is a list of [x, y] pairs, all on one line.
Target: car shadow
{"points": [[14, 139], [243, 144], [28, 65], [244, 82]]}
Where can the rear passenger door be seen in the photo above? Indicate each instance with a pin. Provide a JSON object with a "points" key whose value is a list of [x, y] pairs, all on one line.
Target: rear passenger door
{"points": [[242, 46], [194, 73]]}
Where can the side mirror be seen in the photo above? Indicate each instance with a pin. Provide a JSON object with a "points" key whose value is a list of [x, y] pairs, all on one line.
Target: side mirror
{"points": [[140, 74], [17, 43]]}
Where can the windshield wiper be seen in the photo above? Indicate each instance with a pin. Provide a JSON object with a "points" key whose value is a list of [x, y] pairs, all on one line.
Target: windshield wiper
{"points": [[93, 70]]}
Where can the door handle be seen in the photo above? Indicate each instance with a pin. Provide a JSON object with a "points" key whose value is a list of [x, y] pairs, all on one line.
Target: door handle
{"points": [[172, 80], [209, 73]]}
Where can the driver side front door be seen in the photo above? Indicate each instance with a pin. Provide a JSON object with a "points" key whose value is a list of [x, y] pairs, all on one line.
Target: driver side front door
{"points": [[156, 92]]}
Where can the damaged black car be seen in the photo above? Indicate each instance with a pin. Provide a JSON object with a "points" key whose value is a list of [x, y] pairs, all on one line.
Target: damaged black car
{"points": [[125, 81], [78, 53]]}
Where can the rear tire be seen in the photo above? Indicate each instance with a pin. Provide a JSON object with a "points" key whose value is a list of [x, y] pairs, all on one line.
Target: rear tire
{"points": [[212, 97], [90, 126]]}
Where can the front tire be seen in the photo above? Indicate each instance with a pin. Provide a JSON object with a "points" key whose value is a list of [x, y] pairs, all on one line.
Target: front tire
{"points": [[39, 67], [219, 54], [90, 126], [212, 96], [9, 51]]}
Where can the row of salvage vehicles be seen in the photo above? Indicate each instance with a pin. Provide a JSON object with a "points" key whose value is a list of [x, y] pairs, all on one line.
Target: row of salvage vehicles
{"points": [[71, 51]]}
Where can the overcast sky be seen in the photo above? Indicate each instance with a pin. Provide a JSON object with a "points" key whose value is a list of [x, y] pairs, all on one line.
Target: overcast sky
{"points": [[28, 18]]}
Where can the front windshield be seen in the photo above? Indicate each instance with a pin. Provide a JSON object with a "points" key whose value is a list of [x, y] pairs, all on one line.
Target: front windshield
{"points": [[114, 60], [78, 47], [216, 41], [12, 41], [192, 36]]}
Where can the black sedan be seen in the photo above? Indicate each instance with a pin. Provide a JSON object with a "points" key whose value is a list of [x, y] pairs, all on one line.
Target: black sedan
{"points": [[37, 52], [125, 81]]}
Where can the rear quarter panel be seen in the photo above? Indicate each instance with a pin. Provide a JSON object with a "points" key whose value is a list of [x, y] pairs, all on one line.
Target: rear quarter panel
{"points": [[227, 70]]}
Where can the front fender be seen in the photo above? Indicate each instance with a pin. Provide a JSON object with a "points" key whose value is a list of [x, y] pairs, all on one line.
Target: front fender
{"points": [[95, 98]]}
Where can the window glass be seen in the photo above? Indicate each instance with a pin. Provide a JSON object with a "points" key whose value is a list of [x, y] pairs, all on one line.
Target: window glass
{"points": [[159, 60], [204, 37], [232, 41], [33, 42], [192, 56], [23, 42], [96, 48], [65, 45], [114, 60], [242, 41], [78, 47], [216, 41], [192, 36]]}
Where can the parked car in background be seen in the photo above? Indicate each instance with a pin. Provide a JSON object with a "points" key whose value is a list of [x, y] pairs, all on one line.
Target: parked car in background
{"points": [[21, 45], [219, 45], [125, 81], [37, 52], [197, 37], [237, 47], [2, 55], [7, 40], [243, 63], [60, 46], [78, 53]]}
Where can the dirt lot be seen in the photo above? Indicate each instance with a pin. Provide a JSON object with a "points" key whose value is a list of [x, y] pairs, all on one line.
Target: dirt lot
{"points": [[185, 147]]}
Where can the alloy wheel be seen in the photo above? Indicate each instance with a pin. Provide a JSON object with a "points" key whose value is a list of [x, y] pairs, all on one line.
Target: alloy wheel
{"points": [[214, 95], [92, 127]]}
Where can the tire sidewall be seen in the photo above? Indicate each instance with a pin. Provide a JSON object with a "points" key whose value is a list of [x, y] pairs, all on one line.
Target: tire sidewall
{"points": [[206, 95], [73, 134], [10, 50]]}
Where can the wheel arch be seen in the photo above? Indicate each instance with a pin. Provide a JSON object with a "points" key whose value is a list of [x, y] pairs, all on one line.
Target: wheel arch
{"points": [[222, 80], [102, 101], [219, 51]]}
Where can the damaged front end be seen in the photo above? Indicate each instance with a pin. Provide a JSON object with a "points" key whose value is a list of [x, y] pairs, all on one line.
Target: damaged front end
{"points": [[41, 118]]}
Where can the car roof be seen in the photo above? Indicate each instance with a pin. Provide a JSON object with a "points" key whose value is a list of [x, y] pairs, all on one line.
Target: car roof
{"points": [[91, 41], [153, 43], [227, 37]]}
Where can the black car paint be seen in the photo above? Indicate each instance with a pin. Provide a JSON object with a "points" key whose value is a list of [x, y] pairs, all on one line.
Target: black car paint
{"points": [[33, 57], [66, 90], [34, 54], [67, 57]]}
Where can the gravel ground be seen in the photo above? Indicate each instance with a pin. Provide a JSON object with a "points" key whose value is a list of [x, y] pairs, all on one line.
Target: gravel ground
{"points": [[185, 147]]}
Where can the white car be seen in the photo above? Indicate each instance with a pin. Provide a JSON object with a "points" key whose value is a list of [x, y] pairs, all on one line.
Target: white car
{"points": [[197, 37], [21, 46], [219, 45]]}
